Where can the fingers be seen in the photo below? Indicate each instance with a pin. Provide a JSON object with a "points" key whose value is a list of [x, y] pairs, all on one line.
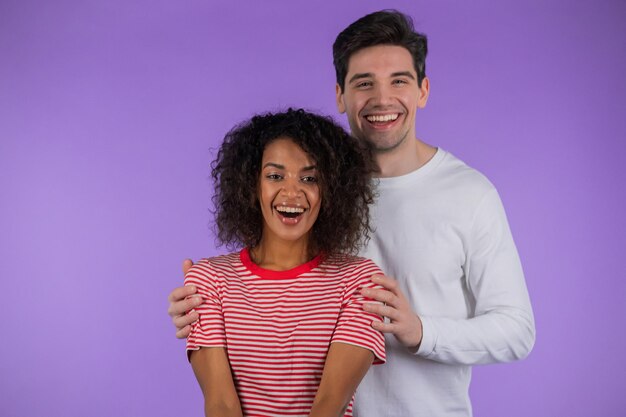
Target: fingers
{"points": [[183, 333], [181, 301], [180, 293], [384, 327], [180, 307], [187, 264], [403, 323], [408, 331], [185, 320], [382, 310], [386, 282], [384, 296]]}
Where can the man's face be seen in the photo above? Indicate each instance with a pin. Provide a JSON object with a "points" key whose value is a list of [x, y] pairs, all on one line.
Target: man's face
{"points": [[381, 96]]}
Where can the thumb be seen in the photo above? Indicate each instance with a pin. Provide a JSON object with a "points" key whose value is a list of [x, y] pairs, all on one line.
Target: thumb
{"points": [[187, 264]]}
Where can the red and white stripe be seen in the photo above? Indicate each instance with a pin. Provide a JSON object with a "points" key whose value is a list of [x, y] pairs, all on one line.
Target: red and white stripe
{"points": [[277, 326]]}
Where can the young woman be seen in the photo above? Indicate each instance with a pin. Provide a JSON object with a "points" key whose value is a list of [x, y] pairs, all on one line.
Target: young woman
{"points": [[281, 331]]}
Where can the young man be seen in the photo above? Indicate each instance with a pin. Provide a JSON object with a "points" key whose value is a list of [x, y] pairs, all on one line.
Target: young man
{"points": [[455, 294]]}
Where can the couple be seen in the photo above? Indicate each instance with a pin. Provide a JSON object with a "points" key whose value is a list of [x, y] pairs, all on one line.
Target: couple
{"points": [[454, 294]]}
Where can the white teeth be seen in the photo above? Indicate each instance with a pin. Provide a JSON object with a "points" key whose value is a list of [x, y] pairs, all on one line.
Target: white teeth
{"points": [[382, 117], [290, 209]]}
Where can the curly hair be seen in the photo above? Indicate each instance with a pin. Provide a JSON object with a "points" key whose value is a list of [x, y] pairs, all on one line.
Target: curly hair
{"points": [[344, 164]]}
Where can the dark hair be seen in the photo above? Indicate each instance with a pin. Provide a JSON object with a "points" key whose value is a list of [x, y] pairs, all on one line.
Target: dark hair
{"points": [[385, 27], [344, 166]]}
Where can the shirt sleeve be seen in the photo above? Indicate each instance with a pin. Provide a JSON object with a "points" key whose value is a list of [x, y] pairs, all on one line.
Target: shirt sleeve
{"points": [[354, 325], [502, 327], [208, 330]]}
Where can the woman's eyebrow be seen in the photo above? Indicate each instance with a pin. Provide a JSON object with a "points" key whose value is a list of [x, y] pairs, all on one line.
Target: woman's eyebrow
{"points": [[279, 166], [273, 164]]}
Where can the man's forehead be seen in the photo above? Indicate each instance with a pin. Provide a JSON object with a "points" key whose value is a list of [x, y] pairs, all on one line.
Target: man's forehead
{"points": [[381, 60]]}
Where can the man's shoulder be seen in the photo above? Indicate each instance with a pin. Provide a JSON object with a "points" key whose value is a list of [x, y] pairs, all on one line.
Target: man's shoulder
{"points": [[461, 177]]}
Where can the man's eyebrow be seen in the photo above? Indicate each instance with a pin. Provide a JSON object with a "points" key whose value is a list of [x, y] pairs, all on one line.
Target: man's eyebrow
{"points": [[359, 76], [370, 75], [403, 74]]}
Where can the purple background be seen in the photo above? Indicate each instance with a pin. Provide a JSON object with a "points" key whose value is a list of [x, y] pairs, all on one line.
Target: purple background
{"points": [[109, 111]]}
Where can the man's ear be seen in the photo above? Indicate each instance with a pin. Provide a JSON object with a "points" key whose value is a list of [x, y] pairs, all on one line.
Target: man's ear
{"points": [[424, 90], [341, 107]]}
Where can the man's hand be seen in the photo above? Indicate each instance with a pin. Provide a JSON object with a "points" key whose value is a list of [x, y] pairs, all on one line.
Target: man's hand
{"points": [[180, 305], [404, 324]]}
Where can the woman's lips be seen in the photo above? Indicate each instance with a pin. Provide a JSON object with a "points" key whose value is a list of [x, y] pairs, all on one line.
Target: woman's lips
{"points": [[289, 215]]}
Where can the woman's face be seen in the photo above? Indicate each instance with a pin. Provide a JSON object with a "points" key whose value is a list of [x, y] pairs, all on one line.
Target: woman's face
{"points": [[288, 192]]}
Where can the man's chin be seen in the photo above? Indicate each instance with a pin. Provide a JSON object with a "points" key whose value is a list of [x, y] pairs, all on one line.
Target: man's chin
{"points": [[384, 144]]}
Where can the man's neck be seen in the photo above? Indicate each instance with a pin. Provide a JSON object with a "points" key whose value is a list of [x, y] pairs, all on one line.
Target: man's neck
{"points": [[405, 159]]}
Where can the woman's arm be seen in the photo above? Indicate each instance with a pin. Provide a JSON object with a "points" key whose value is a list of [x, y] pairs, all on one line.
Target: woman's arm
{"points": [[345, 366], [213, 372]]}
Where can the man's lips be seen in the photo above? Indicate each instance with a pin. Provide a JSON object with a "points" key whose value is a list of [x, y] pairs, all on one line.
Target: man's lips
{"points": [[382, 118], [382, 121]]}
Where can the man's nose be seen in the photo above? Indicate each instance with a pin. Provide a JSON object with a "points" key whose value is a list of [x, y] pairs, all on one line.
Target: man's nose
{"points": [[382, 95]]}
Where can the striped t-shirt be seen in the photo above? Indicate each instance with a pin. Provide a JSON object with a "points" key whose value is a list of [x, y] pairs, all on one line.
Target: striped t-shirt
{"points": [[277, 326]]}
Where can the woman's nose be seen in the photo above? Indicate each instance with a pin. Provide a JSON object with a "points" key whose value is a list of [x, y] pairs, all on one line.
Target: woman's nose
{"points": [[291, 187]]}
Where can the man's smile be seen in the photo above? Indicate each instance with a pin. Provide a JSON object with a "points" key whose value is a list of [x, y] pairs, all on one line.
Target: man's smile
{"points": [[382, 120]]}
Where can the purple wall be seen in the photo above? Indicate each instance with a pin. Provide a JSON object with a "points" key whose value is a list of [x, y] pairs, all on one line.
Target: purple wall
{"points": [[108, 111]]}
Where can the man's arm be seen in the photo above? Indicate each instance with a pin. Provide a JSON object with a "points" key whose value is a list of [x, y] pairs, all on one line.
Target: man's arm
{"points": [[212, 370], [181, 303], [345, 367], [502, 327]]}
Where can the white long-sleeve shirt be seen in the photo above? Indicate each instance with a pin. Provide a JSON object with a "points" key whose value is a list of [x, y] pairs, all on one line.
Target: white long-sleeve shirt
{"points": [[442, 233]]}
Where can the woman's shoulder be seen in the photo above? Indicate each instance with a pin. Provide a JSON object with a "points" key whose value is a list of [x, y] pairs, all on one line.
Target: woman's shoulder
{"points": [[214, 268], [356, 265], [222, 261]]}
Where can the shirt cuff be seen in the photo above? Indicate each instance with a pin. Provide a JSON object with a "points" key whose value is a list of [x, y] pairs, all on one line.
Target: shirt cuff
{"points": [[429, 337]]}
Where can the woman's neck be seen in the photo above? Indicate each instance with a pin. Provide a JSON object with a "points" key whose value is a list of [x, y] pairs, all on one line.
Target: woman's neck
{"points": [[280, 255]]}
